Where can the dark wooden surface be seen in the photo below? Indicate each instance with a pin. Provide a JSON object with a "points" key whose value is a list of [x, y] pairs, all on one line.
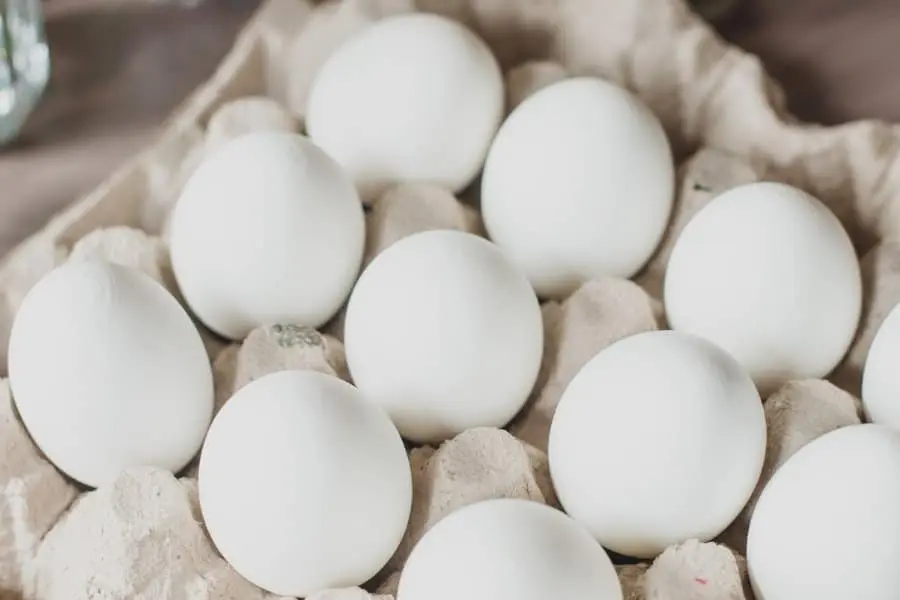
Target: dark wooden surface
{"points": [[119, 70], [838, 60]]}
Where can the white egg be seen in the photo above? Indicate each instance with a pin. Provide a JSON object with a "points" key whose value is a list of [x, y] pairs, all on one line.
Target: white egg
{"points": [[304, 485], [767, 272], [658, 439], [444, 333], [108, 372], [412, 98], [827, 526], [881, 378], [267, 230], [508, 550], [578, 184]]}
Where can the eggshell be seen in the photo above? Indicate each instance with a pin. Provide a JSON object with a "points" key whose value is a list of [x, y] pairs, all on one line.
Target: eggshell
{"points": [[881, 379], [660, 438], [267, 230], [767, 272], [578, 184], [304, 484], [108, 372], [327, 26], [412, 98], [445, 334], [508, 550], [35, 258], [827, 525]]}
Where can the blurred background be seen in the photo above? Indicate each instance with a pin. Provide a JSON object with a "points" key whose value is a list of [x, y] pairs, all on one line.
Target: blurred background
{"points": [[119, 67]]}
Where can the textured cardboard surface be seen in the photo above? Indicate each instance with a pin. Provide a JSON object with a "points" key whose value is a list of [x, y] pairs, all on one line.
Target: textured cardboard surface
{"points": [[726, 120]]}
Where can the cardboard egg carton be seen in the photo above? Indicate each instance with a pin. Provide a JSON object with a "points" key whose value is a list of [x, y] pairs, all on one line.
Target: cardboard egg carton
{"points": [[725, 117], [728, 125]]}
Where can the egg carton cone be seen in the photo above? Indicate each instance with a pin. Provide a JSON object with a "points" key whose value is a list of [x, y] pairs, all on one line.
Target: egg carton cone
{"points": [[726, 120]]}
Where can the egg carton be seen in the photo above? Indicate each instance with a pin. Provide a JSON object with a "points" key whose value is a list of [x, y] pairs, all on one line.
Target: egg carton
{"points": [[141, 537]]}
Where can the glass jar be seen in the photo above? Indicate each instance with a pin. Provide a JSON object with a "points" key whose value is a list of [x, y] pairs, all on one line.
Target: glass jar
{"points": [[24, 63]]}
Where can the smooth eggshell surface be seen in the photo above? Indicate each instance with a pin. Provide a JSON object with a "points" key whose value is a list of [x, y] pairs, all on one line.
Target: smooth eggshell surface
{"points": [[445, 334], [578, 184], [108, 372], [304, 484], [767, 272], [659, 439], [827, 524], [881, 376], [267, 230], [508, 550], [414, 98]]}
